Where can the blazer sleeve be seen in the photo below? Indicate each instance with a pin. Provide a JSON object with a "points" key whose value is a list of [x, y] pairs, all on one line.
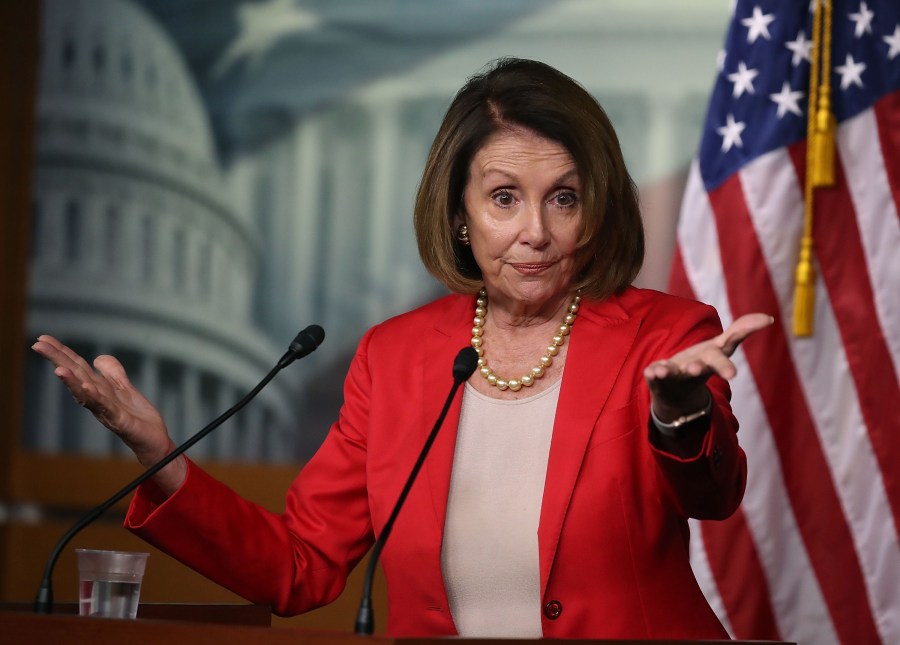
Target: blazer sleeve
{"points": [[296, 560], [710, 484]]}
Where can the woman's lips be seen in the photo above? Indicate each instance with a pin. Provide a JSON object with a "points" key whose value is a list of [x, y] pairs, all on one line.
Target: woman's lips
{"points": [[531, 268]]}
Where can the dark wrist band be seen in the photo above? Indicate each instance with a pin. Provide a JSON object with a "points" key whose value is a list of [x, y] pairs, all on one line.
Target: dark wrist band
{"points": [[670, 429]]}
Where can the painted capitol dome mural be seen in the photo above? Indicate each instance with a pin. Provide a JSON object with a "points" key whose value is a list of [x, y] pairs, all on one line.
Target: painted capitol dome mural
{"points": [[138, 250]]}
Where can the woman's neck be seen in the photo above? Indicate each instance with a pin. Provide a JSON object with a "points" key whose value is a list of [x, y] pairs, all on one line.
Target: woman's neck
{"points": [[512, 316], [515, 339]]}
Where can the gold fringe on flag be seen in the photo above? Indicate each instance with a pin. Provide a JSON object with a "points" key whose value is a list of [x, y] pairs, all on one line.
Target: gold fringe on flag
{"points": [[820, 134]]}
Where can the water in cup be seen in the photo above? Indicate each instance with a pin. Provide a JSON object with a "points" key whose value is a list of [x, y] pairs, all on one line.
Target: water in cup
{"points": [[108, 598], [109, 582]]}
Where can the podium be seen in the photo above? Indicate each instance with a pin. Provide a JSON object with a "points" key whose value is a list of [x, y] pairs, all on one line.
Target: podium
{"points": [[218, 625], [65, 629]]}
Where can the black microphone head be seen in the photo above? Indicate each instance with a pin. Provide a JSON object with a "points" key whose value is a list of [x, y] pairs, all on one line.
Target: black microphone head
{"points": [[465, 363], [315, 333], [307, 340]]}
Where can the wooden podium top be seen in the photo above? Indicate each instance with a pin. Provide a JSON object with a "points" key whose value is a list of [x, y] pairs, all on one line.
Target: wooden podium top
{"points": [[193, 624], [220, 614], [63, 629]]}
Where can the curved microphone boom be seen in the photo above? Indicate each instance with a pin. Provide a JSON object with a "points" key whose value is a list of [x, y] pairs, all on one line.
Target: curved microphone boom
{"points": [[303, 344], [463, 366]]}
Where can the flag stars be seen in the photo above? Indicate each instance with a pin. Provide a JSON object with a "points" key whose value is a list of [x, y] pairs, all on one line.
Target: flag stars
{"points": [[893, 42], [862, 20], [800, 48], [787, 100], [743, 80], [731, 133], [851, 72], [758, 25], [720, 60]]}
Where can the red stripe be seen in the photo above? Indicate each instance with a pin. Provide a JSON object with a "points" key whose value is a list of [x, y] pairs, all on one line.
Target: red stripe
{"points": [[730, 550], [679, 284], [842, 262], [808, 480], [739, 577], [887, 115]]}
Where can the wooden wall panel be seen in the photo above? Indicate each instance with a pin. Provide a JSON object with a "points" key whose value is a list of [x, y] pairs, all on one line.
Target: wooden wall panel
{"points": [[18, 89]]}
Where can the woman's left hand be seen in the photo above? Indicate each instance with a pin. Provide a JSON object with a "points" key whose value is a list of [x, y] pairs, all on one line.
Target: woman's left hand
{"points": [[678, 384]]}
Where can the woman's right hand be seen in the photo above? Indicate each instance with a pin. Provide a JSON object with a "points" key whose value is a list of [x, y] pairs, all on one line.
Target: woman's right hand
{"points": [[106, 391]]}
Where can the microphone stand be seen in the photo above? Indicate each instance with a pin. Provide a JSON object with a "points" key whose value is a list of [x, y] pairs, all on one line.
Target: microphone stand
{"points": [[303, 344], [463, 367]]}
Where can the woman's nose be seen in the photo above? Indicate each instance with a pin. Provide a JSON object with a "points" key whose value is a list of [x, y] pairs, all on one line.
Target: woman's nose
{"points": [[534, 229]]}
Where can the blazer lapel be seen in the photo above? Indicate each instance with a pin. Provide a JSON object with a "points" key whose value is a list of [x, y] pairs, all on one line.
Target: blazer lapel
{"points": [[451, 332], [599, 344]]}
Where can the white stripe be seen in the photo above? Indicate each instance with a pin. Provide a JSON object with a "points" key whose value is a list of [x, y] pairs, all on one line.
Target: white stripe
{"points": [[699, 245], [796, 598], [703, 573], [775, 202], [879, 225]]}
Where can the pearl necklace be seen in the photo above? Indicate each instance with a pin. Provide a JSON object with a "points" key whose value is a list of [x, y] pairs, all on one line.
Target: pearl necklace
{"points": [[546, 360]]}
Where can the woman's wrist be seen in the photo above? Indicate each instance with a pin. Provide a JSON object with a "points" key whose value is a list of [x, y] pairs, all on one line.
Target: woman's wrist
{"points": [[172, 475], [670, 421]]}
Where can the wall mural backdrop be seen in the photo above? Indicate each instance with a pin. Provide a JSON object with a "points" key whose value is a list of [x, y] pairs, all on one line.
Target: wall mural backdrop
{"points": [[214, 175]]}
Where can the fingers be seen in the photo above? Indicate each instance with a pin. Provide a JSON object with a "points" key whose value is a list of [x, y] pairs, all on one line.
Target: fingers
{"points": [[67, 361], [658, 370], [60, 354], [70, 367], [672, 369], [111, 369], [700, 366], [86, 385], [719, 363], [89, 396], [740, 329]]}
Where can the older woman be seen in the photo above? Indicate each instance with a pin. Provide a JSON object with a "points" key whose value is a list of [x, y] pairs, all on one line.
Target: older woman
{"points": [[555, 503]]}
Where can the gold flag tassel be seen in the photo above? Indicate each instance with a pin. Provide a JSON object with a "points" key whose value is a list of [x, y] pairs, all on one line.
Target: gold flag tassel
{"points": [[820, 132], [822, 165]]}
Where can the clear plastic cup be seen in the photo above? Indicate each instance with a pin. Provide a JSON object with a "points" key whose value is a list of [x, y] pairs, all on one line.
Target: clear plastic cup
{"points": [[109, 582]]}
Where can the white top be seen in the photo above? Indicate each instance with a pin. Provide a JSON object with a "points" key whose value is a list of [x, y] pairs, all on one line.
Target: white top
{"points": [[489, 554]]}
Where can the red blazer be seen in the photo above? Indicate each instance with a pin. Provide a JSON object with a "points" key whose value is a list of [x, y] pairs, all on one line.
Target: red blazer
{"points": [[613, 532]]}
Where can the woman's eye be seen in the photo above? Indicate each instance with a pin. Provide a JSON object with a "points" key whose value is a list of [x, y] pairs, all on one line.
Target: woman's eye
{"points": [[503, 198], [566, 199]]}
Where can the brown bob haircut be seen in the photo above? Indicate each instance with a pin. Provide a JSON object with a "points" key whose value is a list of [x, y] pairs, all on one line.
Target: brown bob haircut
{"points": [[515, 93]]}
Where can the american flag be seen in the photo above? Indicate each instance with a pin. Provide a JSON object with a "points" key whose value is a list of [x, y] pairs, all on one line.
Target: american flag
{"points": [[813, 554]]}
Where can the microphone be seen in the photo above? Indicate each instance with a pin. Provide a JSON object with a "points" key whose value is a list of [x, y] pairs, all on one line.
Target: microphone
{"points": [[463, 366], [303, 344]]}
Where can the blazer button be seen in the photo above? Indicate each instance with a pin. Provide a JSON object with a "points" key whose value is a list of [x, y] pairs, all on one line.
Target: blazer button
{"points": [[553, 609]]}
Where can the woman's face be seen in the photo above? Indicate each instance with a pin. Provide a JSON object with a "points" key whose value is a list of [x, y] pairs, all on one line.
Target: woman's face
{"points": [[523, 213]]}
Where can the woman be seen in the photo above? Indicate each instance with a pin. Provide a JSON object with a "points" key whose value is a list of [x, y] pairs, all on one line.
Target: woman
{"points": [[555, 502]]}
